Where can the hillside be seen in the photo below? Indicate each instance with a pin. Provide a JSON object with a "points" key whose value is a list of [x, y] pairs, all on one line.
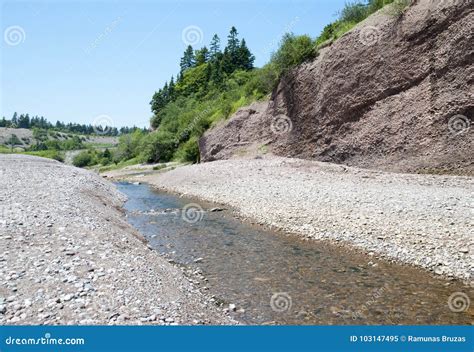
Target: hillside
{"points": [[27, 139], [394, 93]]}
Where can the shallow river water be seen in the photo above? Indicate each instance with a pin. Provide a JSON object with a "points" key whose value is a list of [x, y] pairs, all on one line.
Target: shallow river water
{"points": [[273, 278]]}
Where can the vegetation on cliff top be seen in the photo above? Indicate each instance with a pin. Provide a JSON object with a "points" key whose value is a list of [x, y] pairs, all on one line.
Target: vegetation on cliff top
{"points": [[213, 83]]}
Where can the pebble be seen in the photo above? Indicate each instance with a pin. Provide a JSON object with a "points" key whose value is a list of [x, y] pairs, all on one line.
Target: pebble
{"points": [[385, 215]]}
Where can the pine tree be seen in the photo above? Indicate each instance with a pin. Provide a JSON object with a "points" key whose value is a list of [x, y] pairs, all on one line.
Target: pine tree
{"points": [[157, 102], [202, 56], [166, 93], [227, 63], [171, 87], [245, 57], [15, 119], [232, 42], [217, 71], [188, 59], [230, 60], [215, 47]]}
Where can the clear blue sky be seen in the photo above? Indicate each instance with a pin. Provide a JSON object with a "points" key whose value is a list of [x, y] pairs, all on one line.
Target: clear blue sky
{"points": [[75, 60]]}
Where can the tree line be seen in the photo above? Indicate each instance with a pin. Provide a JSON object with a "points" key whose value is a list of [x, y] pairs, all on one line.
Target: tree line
{"points": [[39, 122], [202, 70]]}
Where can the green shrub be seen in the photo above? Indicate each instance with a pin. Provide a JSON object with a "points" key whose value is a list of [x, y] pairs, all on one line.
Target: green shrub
{"points": [[293, 51], [83, 159], [262, 82], [354, 12], [158, 146], [189, 151], [398, 7]]}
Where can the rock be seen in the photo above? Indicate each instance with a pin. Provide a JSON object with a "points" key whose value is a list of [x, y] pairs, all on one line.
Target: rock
{"points": [[67, 297], [328, 99], [198, 260], [232, 307]]}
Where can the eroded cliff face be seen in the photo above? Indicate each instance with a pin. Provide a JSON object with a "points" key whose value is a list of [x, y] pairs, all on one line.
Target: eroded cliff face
{"points": [[395, 93]]}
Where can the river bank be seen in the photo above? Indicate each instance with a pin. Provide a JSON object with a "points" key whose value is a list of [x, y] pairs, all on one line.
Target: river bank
{"points": [[421, 220], [68, 255]]}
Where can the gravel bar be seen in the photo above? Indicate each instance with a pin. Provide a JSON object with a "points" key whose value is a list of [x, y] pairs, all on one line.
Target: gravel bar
{"points": [[68, 256], [423, 220]]}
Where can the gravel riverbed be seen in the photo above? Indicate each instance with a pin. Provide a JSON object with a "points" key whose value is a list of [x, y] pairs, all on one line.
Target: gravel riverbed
{"points": [[423, 220], [68, 256]]}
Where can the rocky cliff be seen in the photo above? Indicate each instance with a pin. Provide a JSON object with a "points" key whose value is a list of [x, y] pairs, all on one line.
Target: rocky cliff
{"points": [[394, 93]]}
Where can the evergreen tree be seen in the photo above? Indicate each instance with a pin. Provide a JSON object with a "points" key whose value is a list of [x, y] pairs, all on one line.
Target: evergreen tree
{"points": [[24, 121], [215, 47], [171, 87], [233, 42], [217, 72], [188, 59], [227, 63], [157, 102], [202, 56], [15, 119], [245, 58]]}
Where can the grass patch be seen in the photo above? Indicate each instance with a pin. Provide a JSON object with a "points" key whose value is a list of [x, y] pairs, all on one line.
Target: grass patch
{"points": [[50, 154], [119, 165]]}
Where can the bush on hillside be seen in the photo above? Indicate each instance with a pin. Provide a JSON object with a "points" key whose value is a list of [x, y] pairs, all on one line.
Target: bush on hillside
{"points": [[82, 159], [158, 146], [293, 51]]}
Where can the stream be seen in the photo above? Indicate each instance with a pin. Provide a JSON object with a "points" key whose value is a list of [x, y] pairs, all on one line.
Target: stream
{"points": [[267, 277]]}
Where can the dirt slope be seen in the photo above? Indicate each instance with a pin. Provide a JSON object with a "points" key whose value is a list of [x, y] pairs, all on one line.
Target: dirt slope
{"points": [[395, 93]]}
